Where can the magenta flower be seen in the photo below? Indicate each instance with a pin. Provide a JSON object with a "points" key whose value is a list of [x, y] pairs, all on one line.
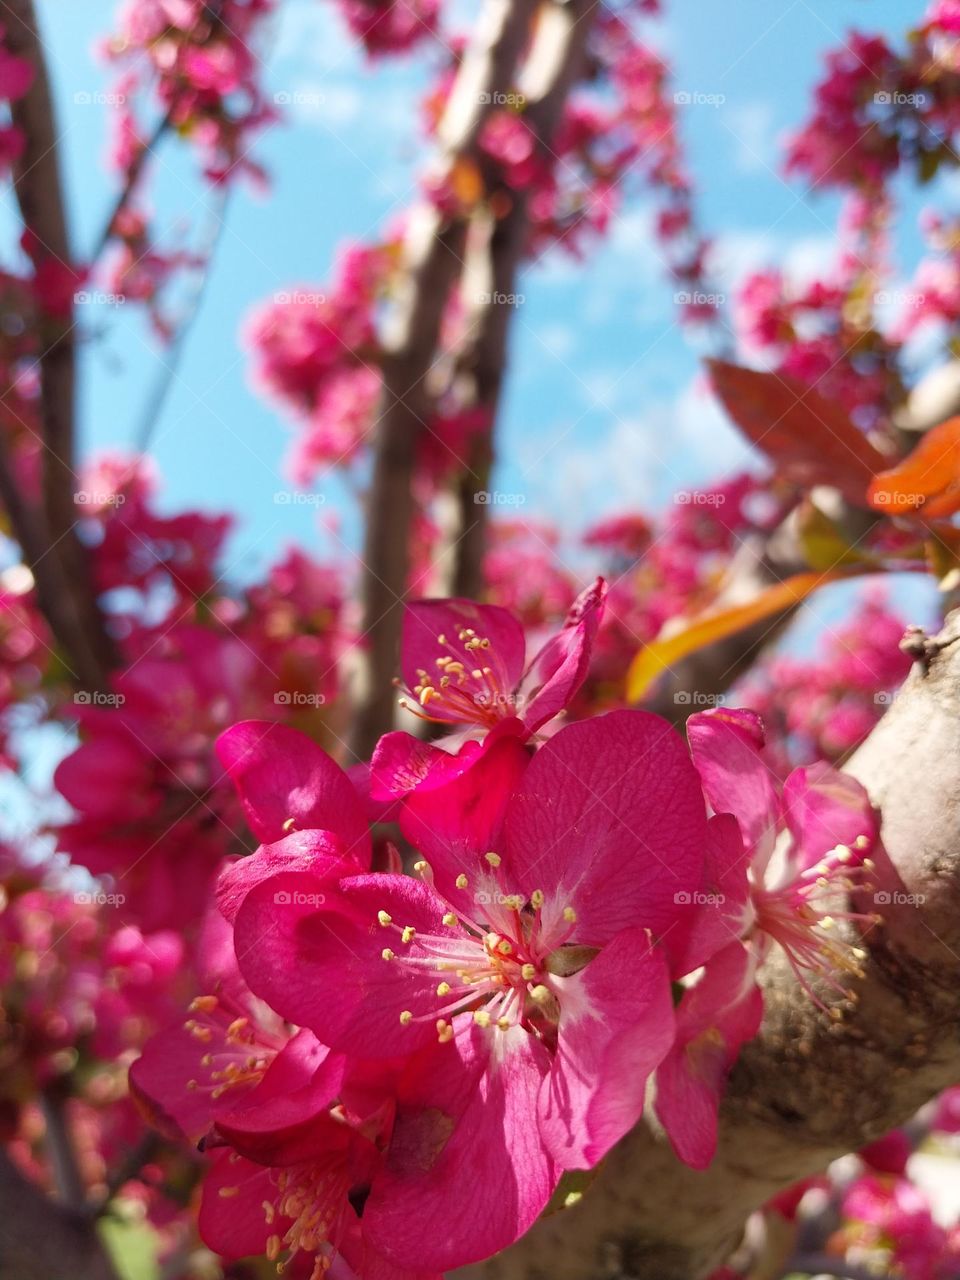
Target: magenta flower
{"points": [[780, 874], [464, 666], [521, 972]]}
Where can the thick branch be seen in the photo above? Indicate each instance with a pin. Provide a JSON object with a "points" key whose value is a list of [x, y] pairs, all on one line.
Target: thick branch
{"points": [[808, 1089], [40, 197]]}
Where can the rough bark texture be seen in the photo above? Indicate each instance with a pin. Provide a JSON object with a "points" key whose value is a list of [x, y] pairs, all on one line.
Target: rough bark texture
{"points": [[807, 1089]]}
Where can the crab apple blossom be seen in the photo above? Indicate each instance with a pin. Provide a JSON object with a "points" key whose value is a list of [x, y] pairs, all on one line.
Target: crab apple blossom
{"points": [[464, 666], [806, 848], [524, 963]]}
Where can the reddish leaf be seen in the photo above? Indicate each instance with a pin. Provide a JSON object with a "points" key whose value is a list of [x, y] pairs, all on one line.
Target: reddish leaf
{"points": [[927, 480], [809, 439]]}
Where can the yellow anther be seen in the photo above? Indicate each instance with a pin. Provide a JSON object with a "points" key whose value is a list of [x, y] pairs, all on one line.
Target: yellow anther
{"points": [[441, 639], [477, 673], [504, 1024], [861, 842], [274, 1245], [572, 1198], [444, 1031], [481, 1018], [387, 953], [827, 922], [492, 858], [203, 1004], [505, 947], [540, 993], [426, 693], [844, 853], [269, 1212], [227, 1192], [450, 919], [384, 918], [421, 866], [408, 933], [288, 825], [513, 901], [528, 972], [443, 989], [569, 915], [462, 881], [406, 1018], [537, 899]]}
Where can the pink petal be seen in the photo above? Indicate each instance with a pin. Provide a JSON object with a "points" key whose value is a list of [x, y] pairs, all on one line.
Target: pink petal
{"points": [[466, 1172], [616, 1026], [720, 912], [824, 808], [560, 668], [725, 745], [714, 1019], [317, 852], [319, 962], [455, 825], [281, 774], [235, 1225], [402, 763], [426, 620], [610, 819]]}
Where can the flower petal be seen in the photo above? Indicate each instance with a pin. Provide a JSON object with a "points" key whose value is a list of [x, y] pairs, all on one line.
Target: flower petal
{"points": [[315, 955], [284, 778], [824, 808], [610, 819], [714, 1018], [466, 1172], [725, 745], [559, 669], [616, 1026]]}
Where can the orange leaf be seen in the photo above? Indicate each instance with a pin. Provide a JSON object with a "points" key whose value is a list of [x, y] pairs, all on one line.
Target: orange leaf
{"points": [[809, 439], [928, 478], [655, 658]]}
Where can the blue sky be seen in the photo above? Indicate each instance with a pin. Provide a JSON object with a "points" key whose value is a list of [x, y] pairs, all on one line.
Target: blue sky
{"points": [[602, 410]]}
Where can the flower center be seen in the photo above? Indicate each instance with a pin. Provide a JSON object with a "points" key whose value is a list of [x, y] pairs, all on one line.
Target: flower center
{"points": [[470, 684], [497, 965], [313, 1196], [239, 1057], [802, 915]]}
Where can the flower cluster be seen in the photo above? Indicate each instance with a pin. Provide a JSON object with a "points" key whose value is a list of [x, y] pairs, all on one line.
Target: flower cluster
{"points": [[584, 911]]}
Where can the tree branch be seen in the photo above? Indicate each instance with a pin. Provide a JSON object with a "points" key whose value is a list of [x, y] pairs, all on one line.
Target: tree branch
{"points": [[434, 251], [807, 1089], [39, 1238], [40, 197]]}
